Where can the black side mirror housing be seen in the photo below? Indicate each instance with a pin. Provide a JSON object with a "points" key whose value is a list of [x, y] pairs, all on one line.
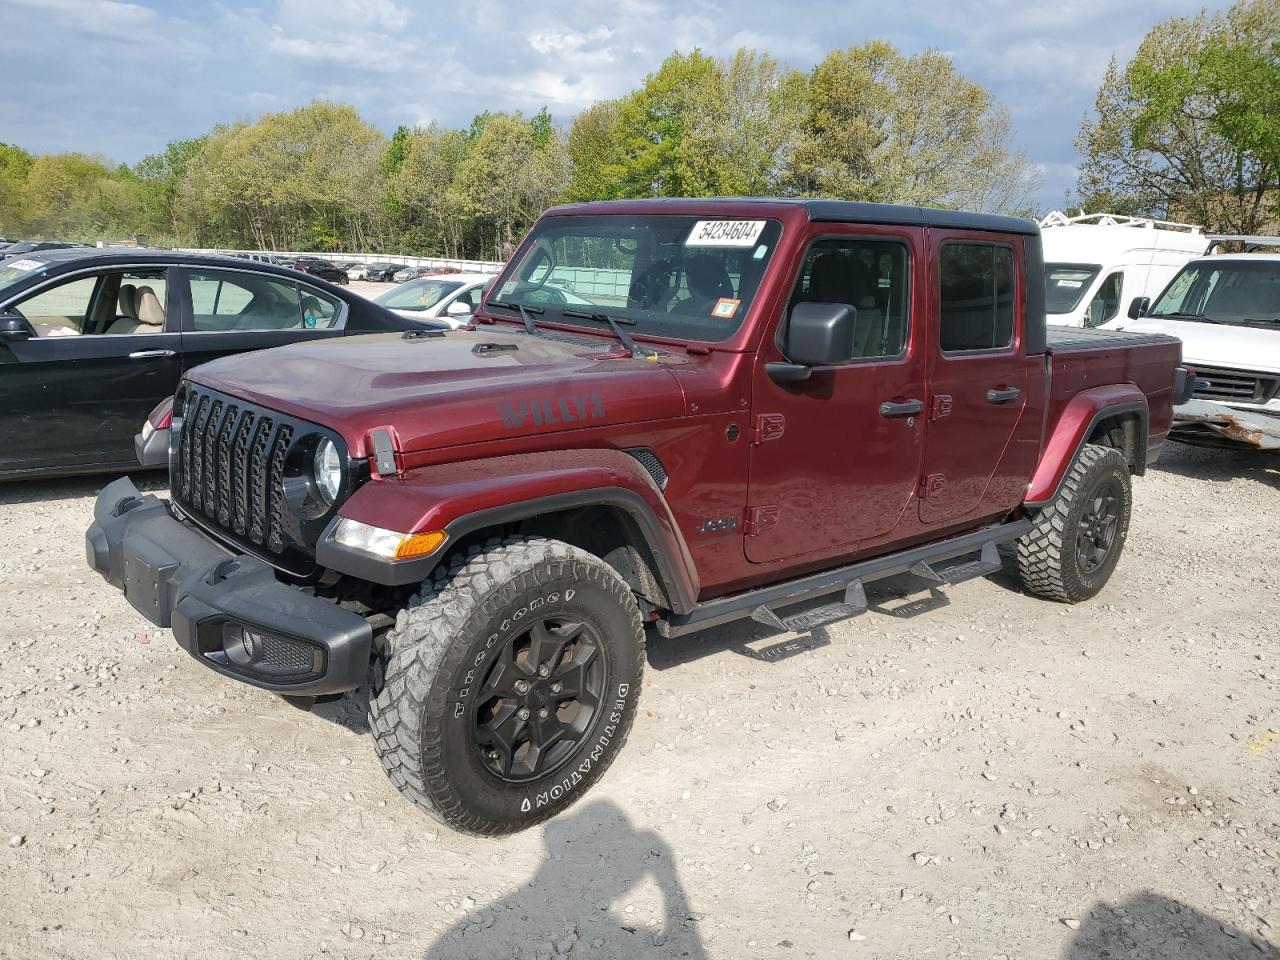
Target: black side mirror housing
{"points": [[1138, 306], [819, 334], [14, 327]]}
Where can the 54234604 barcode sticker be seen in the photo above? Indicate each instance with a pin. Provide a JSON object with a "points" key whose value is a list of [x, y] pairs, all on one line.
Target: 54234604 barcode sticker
{"points": [[724, 233]]}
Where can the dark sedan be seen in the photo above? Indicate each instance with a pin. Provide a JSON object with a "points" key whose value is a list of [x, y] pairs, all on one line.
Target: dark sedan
{"points": [[383, 272], [324, 269], [91, 340]]}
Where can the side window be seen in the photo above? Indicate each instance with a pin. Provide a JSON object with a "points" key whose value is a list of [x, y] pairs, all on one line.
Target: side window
{"points": [[113, 303], [1106, 302], [229, 300], [977, 298], [872, 276]]}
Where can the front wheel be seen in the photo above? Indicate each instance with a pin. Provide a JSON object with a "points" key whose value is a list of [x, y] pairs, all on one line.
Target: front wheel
{"points": [[1071, 552], [508, 685]]}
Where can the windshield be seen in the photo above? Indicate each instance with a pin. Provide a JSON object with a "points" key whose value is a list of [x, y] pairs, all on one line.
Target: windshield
{"points": [[1067, 283], [1234, 291], [670, 276], [417, 294], [13, 271]]}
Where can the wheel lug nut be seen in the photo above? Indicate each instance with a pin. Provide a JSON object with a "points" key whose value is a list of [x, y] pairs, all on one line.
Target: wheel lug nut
{"points": [[524, 713], [522, 686], [543, 713], [544, 671], [557, 687]]}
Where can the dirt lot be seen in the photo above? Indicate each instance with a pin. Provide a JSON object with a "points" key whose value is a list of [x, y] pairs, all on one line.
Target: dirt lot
{"points": [[996, 777]]}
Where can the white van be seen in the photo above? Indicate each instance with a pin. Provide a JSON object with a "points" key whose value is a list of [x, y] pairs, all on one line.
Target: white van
{"points": [[1096, 263]]}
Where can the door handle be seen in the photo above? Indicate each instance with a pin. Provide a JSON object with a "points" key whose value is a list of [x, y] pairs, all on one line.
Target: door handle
{"points": [[1003, 394], [151, 354], [904, 408]]}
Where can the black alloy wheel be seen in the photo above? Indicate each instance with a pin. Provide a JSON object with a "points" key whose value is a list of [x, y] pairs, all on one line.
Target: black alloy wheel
{"points": [[539, 698], [1096, 534]]}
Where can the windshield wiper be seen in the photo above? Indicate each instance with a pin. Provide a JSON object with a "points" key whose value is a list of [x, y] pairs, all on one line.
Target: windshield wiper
{"points": [[614, 324], [1258, 321], [529, 328], [1180, 315]]}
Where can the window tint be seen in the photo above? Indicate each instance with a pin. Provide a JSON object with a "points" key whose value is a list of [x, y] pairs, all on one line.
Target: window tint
{"points": [[872, 276], [977, 297], [223, 300], [1106, 302], [113, 303]]}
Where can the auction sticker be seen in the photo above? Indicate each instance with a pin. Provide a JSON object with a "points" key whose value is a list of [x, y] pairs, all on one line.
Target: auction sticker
{"points": [[724, 233], [25, 264], [1070, 283], [725, 308]]}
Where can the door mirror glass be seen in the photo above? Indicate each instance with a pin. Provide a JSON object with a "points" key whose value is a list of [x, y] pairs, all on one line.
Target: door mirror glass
{"points": [[819, 334], [14, 327], [1138, 306], [458, 308]]}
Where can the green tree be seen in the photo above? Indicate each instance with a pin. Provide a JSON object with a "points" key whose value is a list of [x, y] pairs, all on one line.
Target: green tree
{"points": [[1190, 127], [14, 165]]}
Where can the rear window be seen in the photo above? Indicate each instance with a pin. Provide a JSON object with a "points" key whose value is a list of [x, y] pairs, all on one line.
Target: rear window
{"points": [[977, 297], [1067, 283]]}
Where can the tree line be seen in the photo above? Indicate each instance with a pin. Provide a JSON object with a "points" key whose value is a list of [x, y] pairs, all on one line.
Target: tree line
{"points": [[1188, 129], [867, 123]]}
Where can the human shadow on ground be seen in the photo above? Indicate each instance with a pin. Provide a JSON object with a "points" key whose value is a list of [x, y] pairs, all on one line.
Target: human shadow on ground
{"points": [[595, 864], [1153, 927], [1219, 466]]}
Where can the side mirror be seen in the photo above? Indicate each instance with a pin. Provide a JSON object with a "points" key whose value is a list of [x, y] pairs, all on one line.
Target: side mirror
{"points": [[14, 327], [457, 309], [818, 335], [1138, 306]]}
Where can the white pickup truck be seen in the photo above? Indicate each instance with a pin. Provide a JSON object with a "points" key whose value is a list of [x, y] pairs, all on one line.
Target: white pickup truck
{"points": [[1226, 311]]}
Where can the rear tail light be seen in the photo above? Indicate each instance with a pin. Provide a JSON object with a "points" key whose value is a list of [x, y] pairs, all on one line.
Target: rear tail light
{"points": [[161, 418]]}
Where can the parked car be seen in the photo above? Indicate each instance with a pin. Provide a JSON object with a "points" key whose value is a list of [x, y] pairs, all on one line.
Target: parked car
{"points": [[31, 246], [259, 257], [1097, 263], [355, 270], [1226, 311], [91, 340], [765, 402], [451, 299], [324, 269], [383, 272]]}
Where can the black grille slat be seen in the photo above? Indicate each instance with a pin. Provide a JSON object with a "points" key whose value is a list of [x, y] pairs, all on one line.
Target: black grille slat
{"points": [[275, 528], [197, 443], [224, 464], [239, 472], [258, 479]]}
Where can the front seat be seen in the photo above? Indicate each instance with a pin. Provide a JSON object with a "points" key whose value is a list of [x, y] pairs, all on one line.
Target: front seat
{"points": [[128, 302], [147, 316]]}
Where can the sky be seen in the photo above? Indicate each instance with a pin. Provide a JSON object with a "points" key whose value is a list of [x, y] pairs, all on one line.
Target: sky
{"points": [[121, 79]]}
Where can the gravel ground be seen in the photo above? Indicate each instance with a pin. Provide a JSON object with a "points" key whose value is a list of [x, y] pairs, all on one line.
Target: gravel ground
{"points": [[996, 777]]}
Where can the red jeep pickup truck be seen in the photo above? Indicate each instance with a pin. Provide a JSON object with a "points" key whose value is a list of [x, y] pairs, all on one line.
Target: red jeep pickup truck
{"points": [[667, 414]]}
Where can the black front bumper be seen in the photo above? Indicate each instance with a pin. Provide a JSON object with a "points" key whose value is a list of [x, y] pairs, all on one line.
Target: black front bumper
{"points": [[228, 611]]}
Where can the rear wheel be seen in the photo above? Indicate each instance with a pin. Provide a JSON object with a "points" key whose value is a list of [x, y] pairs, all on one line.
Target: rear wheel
{"points": [[1071, 552], [508, 685]]}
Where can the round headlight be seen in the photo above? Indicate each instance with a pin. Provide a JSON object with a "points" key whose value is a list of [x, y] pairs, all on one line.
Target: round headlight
{"points": [[327, 470]]}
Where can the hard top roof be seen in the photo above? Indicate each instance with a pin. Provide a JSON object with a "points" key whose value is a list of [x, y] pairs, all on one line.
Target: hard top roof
{"points": [[833, 211]]}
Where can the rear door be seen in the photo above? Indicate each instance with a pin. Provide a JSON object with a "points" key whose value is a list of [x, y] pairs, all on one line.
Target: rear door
{"points": [[835, 458], [105, 352], [977, 375], [231, 311]]}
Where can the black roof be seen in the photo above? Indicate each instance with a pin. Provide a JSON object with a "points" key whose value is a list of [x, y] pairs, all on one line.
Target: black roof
{"points": [[835, 211]]}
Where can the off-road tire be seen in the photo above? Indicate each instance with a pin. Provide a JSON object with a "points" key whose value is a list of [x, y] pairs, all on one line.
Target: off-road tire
{"points": [[1049, 558], [430, 666]]}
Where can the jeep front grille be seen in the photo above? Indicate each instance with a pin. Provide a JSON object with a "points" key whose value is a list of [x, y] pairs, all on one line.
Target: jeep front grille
{"points": [[229, 472]]}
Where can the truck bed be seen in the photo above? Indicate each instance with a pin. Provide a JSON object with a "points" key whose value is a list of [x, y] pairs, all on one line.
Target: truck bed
{"points": [[1073, 339]]}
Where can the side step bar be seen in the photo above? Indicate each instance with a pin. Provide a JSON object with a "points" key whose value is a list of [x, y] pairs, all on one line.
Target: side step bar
{"points": [[927, 561]]}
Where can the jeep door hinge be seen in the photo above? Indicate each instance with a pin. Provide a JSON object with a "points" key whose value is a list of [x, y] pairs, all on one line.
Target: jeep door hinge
{"points": [[768, 426], [932, 484], [760, 519]]}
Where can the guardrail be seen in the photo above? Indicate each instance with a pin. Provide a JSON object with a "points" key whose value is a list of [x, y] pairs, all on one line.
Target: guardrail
{"points": [[466, 266]]}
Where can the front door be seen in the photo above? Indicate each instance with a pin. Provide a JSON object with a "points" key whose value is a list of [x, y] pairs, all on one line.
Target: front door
{"points": [[835, 458], [978, 374], [103, 355]]}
